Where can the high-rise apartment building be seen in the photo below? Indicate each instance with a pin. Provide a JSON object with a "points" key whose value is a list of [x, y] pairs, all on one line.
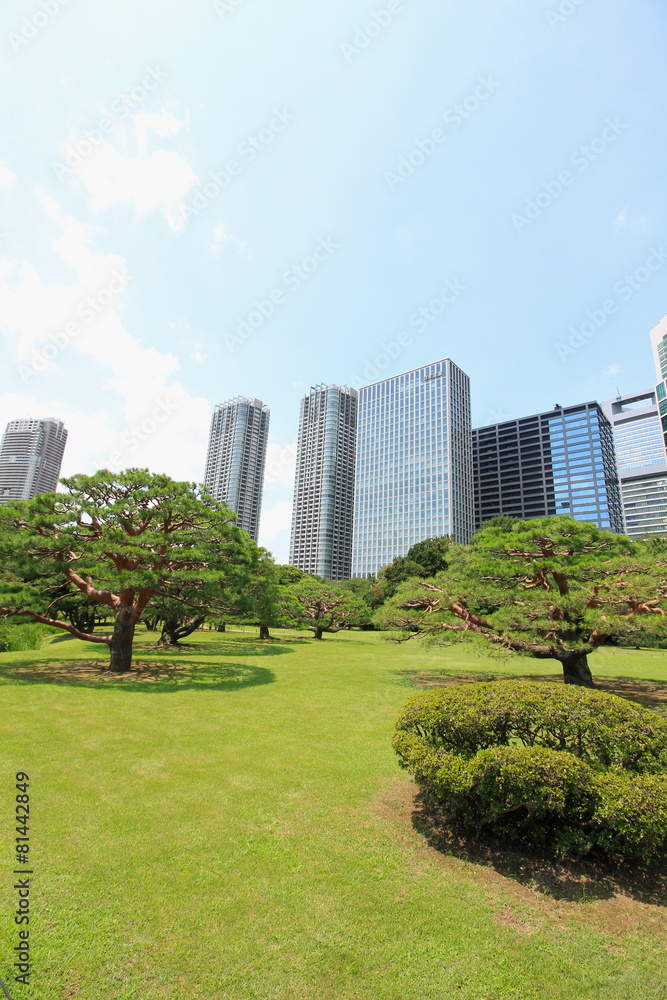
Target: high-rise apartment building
{"points": [[659, 344], [641, 460], [237, 457], [31, 455], [321, 540], [558, 462], [414, 464]]}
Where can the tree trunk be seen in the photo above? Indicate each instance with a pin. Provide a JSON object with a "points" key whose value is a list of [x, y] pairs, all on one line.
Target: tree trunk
{"points": [[120, 643], [168, 636], [264, 632], [577, 671], [317, 631], [221, 628], [172, 630]]}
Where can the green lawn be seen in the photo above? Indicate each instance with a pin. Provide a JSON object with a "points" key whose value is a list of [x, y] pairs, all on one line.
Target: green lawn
{"points": [[230, 823]]}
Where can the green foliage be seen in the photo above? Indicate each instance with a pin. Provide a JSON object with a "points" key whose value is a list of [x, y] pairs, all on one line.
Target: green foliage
{"points": [[631, 813], [431, 554], [120, 541], [548, 588], [503, 521], [288, 575], [322, 607], [423, 560], [601, 729], [568, 767], [364, 588], [14, 638]]}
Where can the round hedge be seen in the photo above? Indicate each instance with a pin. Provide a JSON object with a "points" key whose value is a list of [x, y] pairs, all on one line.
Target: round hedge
{"points": [[570, 768]]}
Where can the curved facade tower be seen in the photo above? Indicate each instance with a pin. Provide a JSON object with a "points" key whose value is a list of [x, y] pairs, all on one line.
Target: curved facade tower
{"points": [[236, 459], [30, 458], [324, 484]]}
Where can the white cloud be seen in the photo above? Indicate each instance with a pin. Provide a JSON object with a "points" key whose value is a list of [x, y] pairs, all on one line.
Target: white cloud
{"points": [[625, 221], [621, 220], [275, 528], [198, 356], [152, 180], [611, 370], [163, 124], [280, 465], [221, 237], [154, 422], [7, 178]]}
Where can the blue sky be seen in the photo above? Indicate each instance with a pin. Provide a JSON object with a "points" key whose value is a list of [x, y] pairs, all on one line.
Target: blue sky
{"points": [[208, 199]]}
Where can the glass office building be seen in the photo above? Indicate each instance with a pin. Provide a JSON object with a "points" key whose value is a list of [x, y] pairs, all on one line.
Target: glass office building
{"points": [[31, 455], [642, 461], [236, 459], [321, 541], [559, 462], [414, 464]]}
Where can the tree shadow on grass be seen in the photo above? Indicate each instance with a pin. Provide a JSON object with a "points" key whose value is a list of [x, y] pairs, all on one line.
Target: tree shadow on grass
{"points": [[250, 647], [648, 693], [146, 676], [243, 646], [575, 881]]}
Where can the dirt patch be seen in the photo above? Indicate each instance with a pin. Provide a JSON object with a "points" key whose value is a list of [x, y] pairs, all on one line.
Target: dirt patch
{"points": [[531, 890], [144, 675], [96, 672], [649, 694]]}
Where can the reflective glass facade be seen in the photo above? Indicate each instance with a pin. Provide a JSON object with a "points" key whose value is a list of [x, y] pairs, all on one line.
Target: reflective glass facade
{"points": [[236, 459], [559, 462], [321, 541], [642, 462], [645, 505], [414, 464]]}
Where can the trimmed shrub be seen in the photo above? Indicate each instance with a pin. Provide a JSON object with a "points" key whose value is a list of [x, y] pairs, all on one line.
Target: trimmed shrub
{"points": [[547, 764], [601, 729], [631, 815]]}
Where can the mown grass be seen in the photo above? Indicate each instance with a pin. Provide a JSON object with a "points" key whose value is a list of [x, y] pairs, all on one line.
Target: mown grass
{"points": [[229, 823]]}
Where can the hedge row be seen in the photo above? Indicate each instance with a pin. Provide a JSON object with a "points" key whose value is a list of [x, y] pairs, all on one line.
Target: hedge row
{"points": [[572, 769]]}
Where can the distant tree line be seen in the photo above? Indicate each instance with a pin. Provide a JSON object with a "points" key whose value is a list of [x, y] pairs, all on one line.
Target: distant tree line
{"points": [[115, 550]]}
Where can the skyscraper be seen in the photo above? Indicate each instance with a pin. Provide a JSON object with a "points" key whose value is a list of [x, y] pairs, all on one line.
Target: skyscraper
{"points": [[30, 458], [414, 464], [236, 459], [558, 462], [321, 540], [641, 459], [659, 344]]}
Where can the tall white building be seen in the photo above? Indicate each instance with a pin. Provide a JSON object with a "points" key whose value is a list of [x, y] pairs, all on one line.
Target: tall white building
{"points": [[659, 345], [237, 457], [414, 476], [321, 541], [31, 455]]}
